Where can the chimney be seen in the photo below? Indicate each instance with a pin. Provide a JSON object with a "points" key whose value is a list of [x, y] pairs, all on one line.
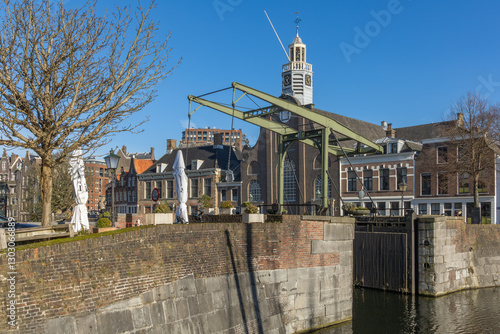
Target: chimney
{"points": [[384, 125], [124, 149], [460, 119], [171, 145], [218, 137], [152, 153], [390, 132]]}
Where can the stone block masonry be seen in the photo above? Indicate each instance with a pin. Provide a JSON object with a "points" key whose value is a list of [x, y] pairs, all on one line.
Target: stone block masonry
{"points": [[197, 278], [455, 256]]}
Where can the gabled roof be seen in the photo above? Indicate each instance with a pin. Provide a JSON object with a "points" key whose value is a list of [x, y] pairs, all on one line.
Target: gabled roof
{"points": [[211, 157], [425, 131]]}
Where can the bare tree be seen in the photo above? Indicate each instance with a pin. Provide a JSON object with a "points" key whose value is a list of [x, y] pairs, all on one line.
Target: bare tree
{"points": [[70, 78], [474, 150]]}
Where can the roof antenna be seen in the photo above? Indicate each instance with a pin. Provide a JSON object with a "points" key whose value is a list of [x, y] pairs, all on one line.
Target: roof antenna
{"points": [[277, 36]]}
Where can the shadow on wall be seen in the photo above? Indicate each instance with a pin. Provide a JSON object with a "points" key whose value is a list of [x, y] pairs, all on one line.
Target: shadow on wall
{"points": [[255, 300]]}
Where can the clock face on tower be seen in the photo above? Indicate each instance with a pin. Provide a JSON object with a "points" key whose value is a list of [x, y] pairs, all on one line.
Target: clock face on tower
{"points": [[287, 80], [308, 80]]}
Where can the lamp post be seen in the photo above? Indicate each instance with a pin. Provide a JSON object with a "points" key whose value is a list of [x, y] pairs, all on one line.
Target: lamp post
{"points": [[112, 163], [402, 187]]}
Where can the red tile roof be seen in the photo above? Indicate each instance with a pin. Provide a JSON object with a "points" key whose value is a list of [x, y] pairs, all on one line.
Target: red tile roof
{"points": [[140, 165]]}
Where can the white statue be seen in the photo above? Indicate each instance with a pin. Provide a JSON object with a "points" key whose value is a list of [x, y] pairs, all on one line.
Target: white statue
{"points": [[77, 172]]}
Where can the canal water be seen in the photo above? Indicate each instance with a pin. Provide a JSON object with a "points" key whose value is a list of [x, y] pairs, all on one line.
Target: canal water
{"points": [[467, 312]]}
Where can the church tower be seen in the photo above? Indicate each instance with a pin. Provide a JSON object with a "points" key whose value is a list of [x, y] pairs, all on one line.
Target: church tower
{"points": [[297, 74]]}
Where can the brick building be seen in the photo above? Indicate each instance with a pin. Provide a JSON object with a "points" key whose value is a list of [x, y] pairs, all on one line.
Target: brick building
{"points": [[129, 166], [197, 137], [97, 179], [18, 184]]}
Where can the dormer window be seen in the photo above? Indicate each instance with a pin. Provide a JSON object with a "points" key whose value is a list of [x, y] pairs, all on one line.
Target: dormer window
{"points": [[394, 147], [196, 164], [160, 168]]}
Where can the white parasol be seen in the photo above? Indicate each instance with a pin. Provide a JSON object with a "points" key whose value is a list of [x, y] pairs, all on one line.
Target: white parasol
{"points": [[77, 172], [181, 186]]}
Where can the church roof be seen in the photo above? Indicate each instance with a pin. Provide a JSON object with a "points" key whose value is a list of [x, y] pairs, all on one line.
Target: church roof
{"points": [[366, 129]]}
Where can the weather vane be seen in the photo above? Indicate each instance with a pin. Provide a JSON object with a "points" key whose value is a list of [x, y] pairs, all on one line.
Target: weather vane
{"points": [[297, 20]]}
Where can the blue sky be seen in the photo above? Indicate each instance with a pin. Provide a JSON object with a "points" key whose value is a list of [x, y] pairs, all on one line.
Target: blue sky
{"points": [[416, 59]]}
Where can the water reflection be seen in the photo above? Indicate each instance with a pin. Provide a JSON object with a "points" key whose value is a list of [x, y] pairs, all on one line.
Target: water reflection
{"points": [[472, 311]]}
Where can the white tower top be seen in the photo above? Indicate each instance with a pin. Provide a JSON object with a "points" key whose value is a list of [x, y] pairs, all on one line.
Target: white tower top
{"points": [[297, 73]]}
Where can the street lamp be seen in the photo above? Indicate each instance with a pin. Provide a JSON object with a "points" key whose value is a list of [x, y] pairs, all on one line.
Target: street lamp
{"points": [[112, 163], [402, 187]]}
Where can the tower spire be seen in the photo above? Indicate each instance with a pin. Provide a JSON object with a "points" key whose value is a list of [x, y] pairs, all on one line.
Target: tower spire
{"points": [[297, 73], [297, 20]]}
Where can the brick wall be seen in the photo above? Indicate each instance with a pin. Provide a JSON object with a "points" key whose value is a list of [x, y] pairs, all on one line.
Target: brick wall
{"points": [[454, 255], [73, 280]]}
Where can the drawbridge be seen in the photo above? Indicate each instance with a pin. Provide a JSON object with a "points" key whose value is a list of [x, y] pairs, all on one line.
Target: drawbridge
{"points": [[326, 137]]}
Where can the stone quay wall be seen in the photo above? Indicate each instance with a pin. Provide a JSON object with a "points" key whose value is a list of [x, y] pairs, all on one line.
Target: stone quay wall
{"points": [[455, 256], [198, 278]]}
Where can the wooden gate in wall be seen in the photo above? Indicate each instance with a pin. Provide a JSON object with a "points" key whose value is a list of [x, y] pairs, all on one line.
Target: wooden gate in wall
{"points": [[384, 253]]}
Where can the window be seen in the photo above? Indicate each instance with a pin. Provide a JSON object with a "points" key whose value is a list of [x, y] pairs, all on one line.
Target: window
{"points": [[395, 209], [129, 181], [234, 195], [422, 209], [442, 154], [463, 183], [289, 187], [317, 188], [368, 179], [160, 188], [447, 209], [207, 186], [443, 184], [394, 147], [457, 209], [148, 190], [482, 185], [401, 175], [351, 181], [486, 213], [133, 182], [223, 195], [435, 210], [101, 172], [170, 189], [381, 208], [194, 188], [254, 191], [384, 179], [426, 183]]}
